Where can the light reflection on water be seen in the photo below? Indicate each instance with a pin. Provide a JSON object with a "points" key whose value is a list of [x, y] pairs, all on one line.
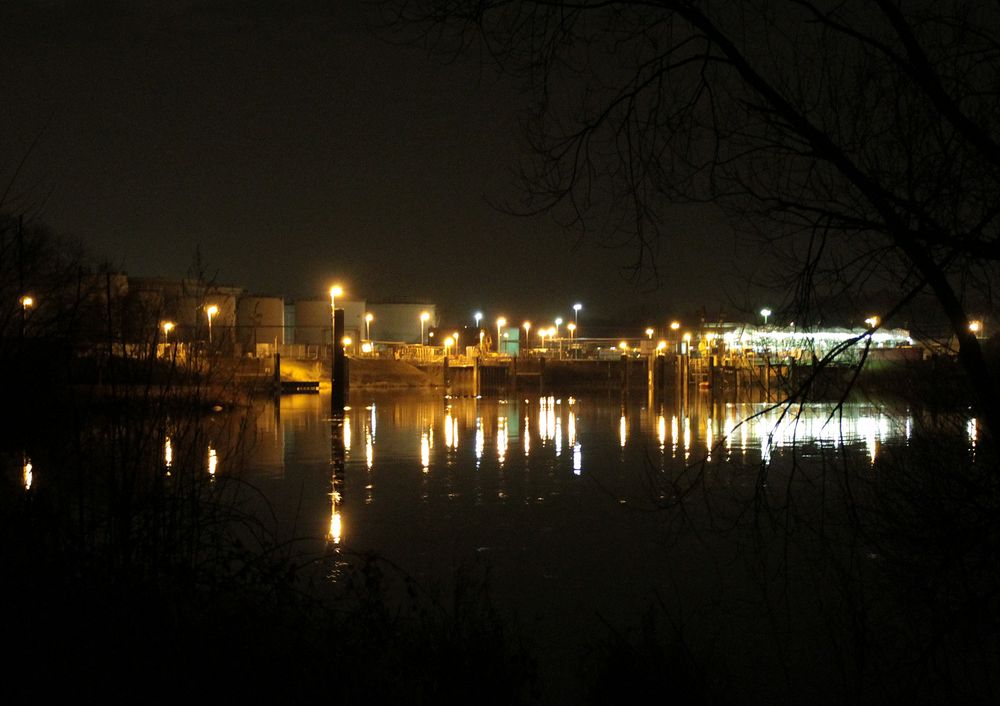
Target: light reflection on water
{"points": [[461, 448]]}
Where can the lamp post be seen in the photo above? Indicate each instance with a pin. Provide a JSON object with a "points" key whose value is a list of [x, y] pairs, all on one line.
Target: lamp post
{"points": [[210, 312], [501, 322], [478, 316], [527, 333], [576, 313], [649, 333], [424, 318], [368, 325], [872, 321], [765, 312], [168, 326]]}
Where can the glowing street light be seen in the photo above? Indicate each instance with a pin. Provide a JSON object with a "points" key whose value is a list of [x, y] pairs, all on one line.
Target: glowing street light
{"points": [[674, 325], [335, 291], [424, 318], [649, 333], [623, 345], [542, 332], [448, 343], [765, 312], [872, 321], [501, 322], [527, 329], [369, 317], [558, 324], [478, 316], [661, 346], [26, 302], [976, 327], [168, 326], [576, 313], [210, 312], [572, 329]]}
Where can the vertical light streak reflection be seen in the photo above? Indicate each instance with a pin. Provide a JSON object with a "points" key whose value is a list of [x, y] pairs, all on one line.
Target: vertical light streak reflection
{"points": [[687, 438], [369, 450], [558, 435], [709, 439], [347, 433], [449, 430], [501, 439], [213, 460], [571, 429], [577, 459], [972, 429], [527, 436], [674, 435], [480, 441], [661, 431], [425, 451], [335, 533], [27, 472], [622, 430], [168, 454]]}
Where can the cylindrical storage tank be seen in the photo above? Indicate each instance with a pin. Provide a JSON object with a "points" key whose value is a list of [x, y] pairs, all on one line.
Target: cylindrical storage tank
{"points": [[313, 321], [260, 320]]}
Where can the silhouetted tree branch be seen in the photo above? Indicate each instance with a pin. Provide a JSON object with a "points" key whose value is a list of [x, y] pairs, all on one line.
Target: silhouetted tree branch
{"points": [[858, 140]]}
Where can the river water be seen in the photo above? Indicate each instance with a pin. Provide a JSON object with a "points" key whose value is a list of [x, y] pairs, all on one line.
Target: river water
{"points": [[586, 510]]}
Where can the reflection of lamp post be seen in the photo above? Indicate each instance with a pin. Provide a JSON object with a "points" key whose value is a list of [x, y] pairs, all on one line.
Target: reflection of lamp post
{"points": [[210, 312], [368, 325], [501, 322], [424, 318], [765, 312]]}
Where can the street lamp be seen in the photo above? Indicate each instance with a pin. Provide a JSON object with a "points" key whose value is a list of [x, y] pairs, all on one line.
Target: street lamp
{"points": [[501, 322], [576, 313], [765, 312], [558, 324], [448, 343], [572, 329], [976, 327], [872, 321], [478, 316], [649, 333], [210, 312], [424, 318], [26, 302], [527, 333], [168, 326], [369, 317], [335, 291]]}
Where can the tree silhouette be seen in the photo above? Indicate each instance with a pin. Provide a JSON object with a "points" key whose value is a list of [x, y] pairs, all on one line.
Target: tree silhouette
{"points": [[859, 140]]}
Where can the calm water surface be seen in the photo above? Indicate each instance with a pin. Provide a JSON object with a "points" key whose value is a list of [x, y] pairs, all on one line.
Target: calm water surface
{"points": [[562, 498]]}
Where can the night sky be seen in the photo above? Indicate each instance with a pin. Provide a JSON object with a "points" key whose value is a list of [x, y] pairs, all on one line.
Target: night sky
{"points": [[295, 147]]}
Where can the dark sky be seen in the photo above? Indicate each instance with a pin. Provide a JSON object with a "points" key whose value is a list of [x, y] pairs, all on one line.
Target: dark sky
{"points": [[294, 147]]}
